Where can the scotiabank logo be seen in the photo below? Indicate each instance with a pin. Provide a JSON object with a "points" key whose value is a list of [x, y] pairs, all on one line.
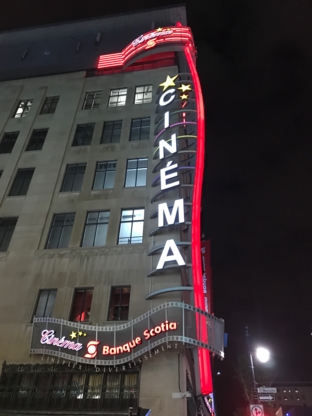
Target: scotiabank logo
{"points": [[92, 346]]}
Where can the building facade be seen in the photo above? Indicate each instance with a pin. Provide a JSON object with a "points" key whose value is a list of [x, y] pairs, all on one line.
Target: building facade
{"points": [[101, 159]]}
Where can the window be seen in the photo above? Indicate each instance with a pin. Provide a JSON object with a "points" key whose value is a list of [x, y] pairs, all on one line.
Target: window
{"points": [[21, 182], [23, 108], [73, 177], [1, 172], [8, 142], [119, 303], [140, 129], [37, 139], [81, 305], [105, 175], [131, 226], [117, 97], [45, 303], [49, 105], [60, 232], [7, 226], [111, 131], [95, 229], [83, 135], [92, 100], [136, 172], [143, 94]]}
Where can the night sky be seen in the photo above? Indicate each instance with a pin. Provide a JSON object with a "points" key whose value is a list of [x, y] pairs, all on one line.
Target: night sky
{"points": [[255, 64]]}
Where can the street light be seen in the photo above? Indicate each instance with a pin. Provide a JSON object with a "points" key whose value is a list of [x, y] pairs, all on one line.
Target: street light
{"points": [[263, 355]]}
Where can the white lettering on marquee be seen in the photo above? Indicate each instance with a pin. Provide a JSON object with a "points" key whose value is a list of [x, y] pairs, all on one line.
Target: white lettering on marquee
{"points": [[172, 148], [163, 212], [165, 256], [164, 100], [164, 176]]}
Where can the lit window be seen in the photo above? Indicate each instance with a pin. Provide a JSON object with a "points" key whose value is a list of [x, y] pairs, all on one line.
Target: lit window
{"points": [[49, 105], [45, 303], [7, 226], [140, 129], [95, 229], [8, 142], [143, 94], [119, 303], [131, 226], [60, 231], [73, 177], [23, 108], [21, 182], [105, 175], [117, 97], [296, 391], [81, 305], [136, 172], [83, 134], [111, 132], [92, 100], [37, 139]]}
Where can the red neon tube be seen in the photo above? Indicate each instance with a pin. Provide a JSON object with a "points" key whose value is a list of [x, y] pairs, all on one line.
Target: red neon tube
{"points": [[202, 333]]}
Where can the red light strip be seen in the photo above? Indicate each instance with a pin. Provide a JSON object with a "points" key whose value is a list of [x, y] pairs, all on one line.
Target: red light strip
{"points": [[202, 333]]}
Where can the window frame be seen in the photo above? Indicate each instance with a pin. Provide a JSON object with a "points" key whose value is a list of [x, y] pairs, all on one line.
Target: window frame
{"points": [[147, 96], [66, 174], [25, 110], [105, 176], [141, 128], [6, 137], [37, 303], [85, 125], [95, 100], [118, 103], [111, 305], [50, 106], [121, 222], [36, 140], [112, 131], [136, 171], [60, 237], [24, 179], [77, 290], [5, 233], [96, 227]]}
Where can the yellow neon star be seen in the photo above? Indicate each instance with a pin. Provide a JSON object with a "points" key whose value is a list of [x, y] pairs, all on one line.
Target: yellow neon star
{"points": [[168, 83], [159, 29], [73, 335], [184, 97], [84, 334], [80, 333], [185, 88]]}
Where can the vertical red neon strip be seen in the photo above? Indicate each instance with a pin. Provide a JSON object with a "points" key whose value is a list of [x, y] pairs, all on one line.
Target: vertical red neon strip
{"points": [[203, 354]]}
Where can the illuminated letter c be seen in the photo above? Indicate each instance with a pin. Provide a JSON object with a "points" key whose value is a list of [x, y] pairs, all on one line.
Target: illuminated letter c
{"points": [[163, 102]]}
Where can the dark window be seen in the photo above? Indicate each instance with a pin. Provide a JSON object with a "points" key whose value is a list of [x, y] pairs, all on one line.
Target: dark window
{"points": [[92, 100], [1, 172], [37, 139], [23, 108], [140, 129], [136, 172], [83, 135], [21, 182], [45, 303], [105, 175], [73, 177], [49, 105], [81, 305], [7, 226], [8, 142], [60, 231], [119, 303], [117, 97], [95, 229], [131, 226], [111, 131], [143, 94]]}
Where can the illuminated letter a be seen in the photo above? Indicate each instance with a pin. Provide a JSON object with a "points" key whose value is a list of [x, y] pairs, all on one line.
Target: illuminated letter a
{"points": [[176, 255]]}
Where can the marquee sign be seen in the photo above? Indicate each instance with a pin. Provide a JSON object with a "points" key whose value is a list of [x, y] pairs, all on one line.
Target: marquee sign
{"points": [[118, 344]]}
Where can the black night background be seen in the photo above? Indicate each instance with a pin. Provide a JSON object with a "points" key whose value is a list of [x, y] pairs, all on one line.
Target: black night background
{"points": [[255, 65]]}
